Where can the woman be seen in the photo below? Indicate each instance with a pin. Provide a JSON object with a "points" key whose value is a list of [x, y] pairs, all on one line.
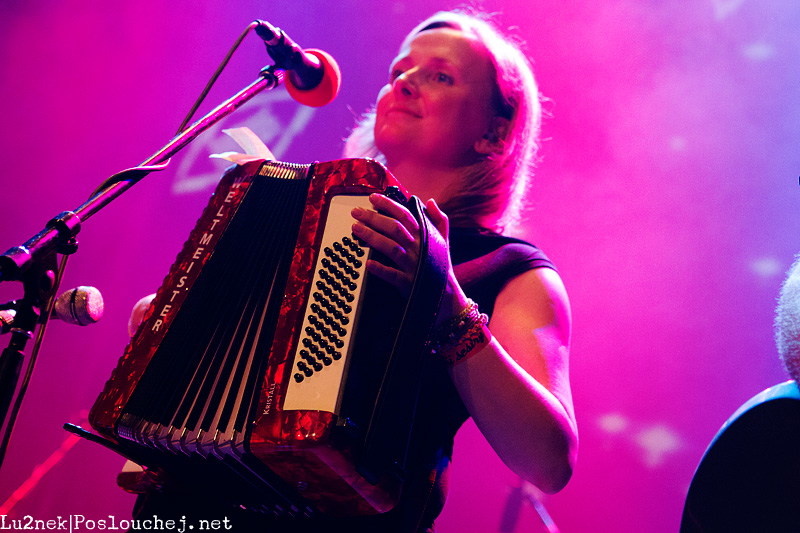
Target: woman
{"points": [[458, 123]]}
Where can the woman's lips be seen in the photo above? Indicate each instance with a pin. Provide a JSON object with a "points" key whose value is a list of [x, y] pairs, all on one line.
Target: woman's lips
{"points": [[404, 111]]}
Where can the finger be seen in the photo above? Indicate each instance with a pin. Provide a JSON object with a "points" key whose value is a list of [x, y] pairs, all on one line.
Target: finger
{"points": [[385, 225], [438, 218], [395, 210], [401, 256], [390, 275]]}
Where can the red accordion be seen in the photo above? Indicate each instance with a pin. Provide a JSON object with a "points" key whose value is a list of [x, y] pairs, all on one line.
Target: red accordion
{"points": [[271, 364]]}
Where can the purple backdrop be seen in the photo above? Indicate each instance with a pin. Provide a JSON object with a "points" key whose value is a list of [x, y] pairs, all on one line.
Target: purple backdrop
{"points": [[667, 195]]}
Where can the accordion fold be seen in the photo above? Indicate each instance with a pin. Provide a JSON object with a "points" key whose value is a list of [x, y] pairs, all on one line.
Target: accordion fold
{"points": [[270, 365]]}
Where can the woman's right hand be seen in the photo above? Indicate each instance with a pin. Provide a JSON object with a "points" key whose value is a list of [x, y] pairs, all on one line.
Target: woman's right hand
{"points": [[137, 313]]}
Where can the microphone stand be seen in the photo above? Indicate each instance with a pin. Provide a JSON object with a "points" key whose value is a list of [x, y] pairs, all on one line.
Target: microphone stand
{"points": [[523, 492], [34, 262]]}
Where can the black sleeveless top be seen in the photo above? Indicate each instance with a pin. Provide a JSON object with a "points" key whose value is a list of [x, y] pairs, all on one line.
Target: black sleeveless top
{"points": [[483, 262]]}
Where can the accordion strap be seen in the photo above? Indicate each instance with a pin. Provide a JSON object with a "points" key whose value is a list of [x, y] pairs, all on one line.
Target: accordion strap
{"points": [[389, 432]]}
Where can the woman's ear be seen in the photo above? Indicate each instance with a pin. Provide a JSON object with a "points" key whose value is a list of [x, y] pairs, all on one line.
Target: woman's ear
{"points": [[492, 141]]}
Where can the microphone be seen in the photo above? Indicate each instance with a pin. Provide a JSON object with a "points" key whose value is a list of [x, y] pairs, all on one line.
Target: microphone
{"points": [[81, 306], [313, 75]]}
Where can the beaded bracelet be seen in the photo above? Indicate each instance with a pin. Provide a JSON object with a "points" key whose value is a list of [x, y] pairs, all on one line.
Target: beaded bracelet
{"points": [[464, 334]]}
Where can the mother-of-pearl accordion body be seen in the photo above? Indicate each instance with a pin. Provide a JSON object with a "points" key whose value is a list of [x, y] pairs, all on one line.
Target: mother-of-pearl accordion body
{"points": [[264, 366]]}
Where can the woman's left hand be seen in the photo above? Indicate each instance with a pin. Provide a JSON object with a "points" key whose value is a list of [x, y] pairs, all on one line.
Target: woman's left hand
{"points": [[392, 230]]}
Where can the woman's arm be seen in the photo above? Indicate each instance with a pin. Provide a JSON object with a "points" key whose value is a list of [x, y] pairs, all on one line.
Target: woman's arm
{"points": [[516, 387]]}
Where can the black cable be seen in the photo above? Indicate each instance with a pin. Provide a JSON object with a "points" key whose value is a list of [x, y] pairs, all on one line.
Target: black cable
{"points": [[120, 176], [215, 76]]}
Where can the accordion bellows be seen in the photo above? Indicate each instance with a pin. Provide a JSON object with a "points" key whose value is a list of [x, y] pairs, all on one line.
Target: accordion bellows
{"points": [[260, 365]]}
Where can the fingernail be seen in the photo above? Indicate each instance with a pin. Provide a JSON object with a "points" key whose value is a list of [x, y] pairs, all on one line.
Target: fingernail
{"points": [[357, 212]]}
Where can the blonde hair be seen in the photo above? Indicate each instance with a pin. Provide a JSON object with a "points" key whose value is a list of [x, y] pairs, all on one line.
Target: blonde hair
{"points": [[494, 188]]}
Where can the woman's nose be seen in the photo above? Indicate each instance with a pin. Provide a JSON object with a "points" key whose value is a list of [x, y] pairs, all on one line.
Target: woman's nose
{"points": [[406, 83]]}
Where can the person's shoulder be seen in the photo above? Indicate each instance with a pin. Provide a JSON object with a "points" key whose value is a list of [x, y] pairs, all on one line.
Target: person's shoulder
{"points": [[482, 241], [480, 251], [524, 251]]}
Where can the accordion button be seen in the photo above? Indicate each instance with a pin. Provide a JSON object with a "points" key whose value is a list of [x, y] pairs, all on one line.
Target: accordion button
{"points": [[298, 377]]}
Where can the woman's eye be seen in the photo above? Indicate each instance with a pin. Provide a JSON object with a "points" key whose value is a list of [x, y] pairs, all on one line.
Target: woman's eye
{"points": [[441, 77], [395, 74]]}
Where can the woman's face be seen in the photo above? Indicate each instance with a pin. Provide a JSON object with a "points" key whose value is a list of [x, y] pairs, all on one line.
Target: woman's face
{"points": [[437, 104]]}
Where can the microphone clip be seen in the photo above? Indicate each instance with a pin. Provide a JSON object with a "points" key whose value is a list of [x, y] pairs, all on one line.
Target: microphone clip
{"points": [[312, 76], [305, 70]]}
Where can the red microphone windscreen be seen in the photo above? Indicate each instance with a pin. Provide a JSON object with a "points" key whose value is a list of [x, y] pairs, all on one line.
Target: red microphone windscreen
{"points": [[328, 88]]}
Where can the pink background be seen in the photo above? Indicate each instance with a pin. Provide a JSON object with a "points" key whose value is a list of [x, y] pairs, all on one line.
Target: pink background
{"points": [[667, 195]]}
